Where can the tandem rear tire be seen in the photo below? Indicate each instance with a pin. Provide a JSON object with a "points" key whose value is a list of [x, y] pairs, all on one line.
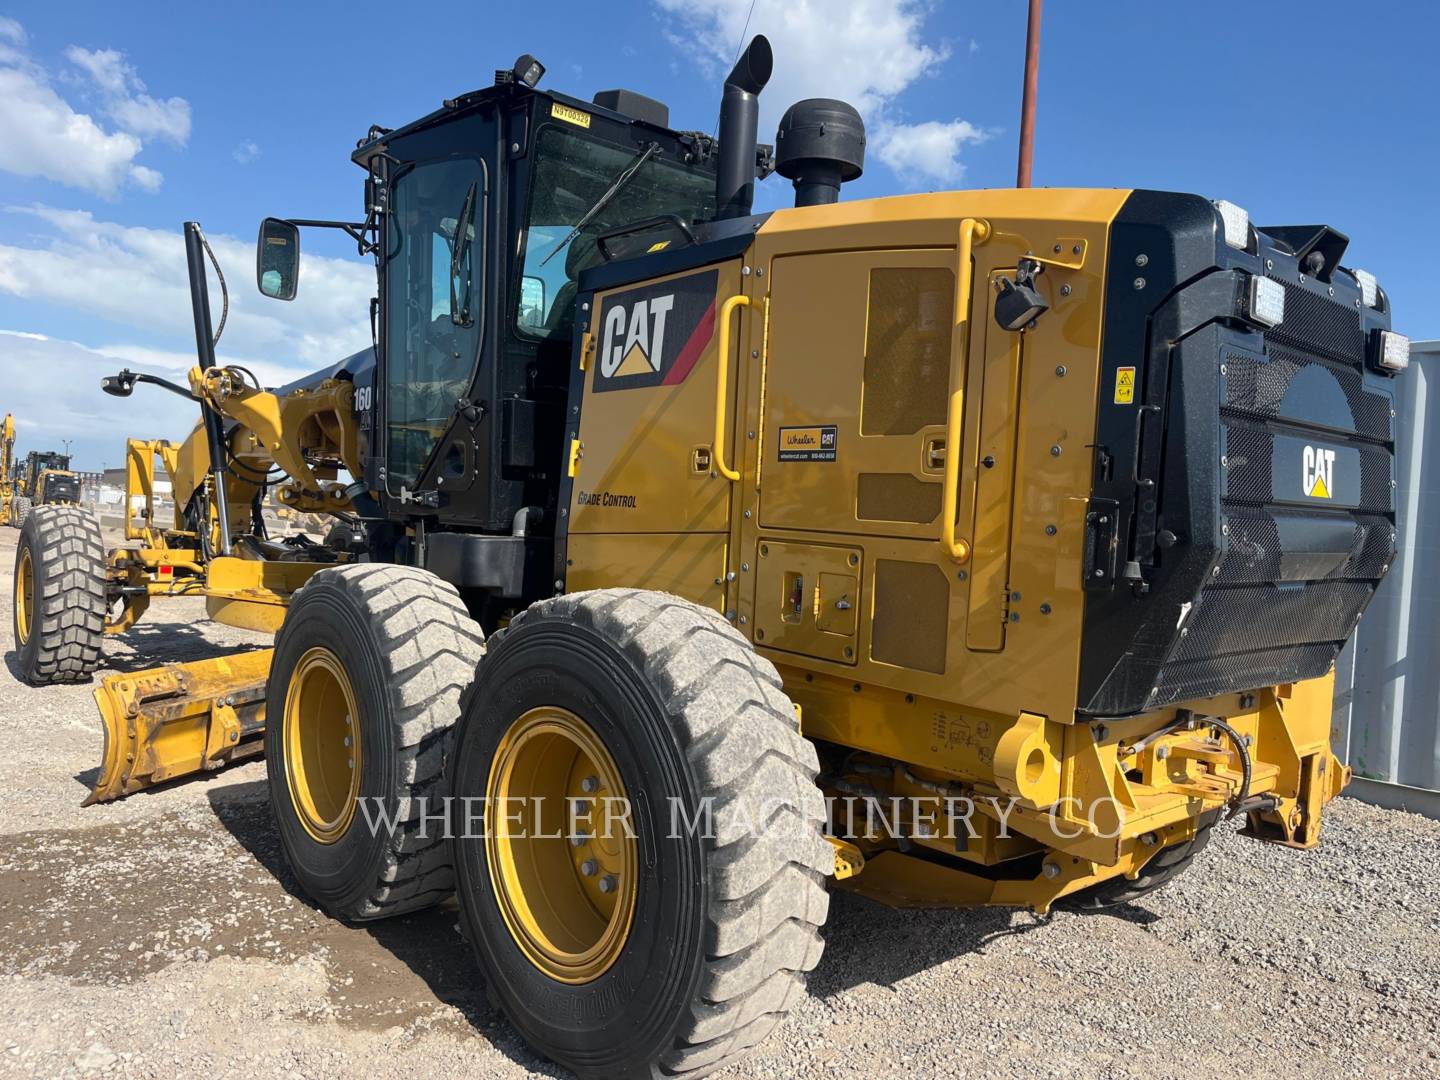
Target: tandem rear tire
{"points": [[363, 694], [638, 937], [59, 596]]}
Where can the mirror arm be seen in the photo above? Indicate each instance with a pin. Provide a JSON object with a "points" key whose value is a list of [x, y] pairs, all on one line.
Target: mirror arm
{"points": [[122, 384], [354, 229]]}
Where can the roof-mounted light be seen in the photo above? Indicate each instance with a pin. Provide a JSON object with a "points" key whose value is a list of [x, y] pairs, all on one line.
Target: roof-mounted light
{"points": [[1236, 222], [528, 70], [1369, 287]]}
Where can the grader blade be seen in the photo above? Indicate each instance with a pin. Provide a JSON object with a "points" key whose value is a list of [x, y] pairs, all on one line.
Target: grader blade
{"points": [[179, 719]]}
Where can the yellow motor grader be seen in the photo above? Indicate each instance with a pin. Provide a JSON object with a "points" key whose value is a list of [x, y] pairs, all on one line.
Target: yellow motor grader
{"points": [[977, 547]]}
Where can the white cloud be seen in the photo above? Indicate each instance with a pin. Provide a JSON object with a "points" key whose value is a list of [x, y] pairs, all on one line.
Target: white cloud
{"points": [[45, 136], [246, 152], [12, 39], [866, 52], [135, 278], [33, 366], [929, 150], [125, 99]]}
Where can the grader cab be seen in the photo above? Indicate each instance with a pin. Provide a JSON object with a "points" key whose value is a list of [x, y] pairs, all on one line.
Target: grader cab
{"points": [[963, 548]]}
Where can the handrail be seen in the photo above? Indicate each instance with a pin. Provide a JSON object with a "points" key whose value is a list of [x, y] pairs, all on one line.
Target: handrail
{"points": [[972, 231], [721, 392]]}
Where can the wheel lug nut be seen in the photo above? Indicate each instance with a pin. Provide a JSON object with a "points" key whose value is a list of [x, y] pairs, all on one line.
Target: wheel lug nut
{"points": [[608, 883], [589, 867], [590, 785], [347, 740], [578, 840]]}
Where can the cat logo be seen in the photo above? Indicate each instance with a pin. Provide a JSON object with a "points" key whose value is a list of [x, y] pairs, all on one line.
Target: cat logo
{"points": [[634, 345], [656, 334], [1317, 472]]}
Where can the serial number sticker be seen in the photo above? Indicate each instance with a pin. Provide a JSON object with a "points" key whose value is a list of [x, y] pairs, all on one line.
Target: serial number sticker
{"points": [[808, 443], [1125, 386], [569, 115]]}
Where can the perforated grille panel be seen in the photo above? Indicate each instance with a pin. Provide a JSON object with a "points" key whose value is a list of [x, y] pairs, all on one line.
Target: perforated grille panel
{"points": [[907, 349]]}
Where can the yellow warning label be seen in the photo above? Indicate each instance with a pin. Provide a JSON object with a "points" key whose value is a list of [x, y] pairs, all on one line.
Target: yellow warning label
{"points": [[569, 115], [1125, 386], [659, 245]]}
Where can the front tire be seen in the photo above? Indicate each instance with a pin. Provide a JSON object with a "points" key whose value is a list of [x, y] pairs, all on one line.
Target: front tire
{"points": [[698, 956], [363, 693], [20, 509], [59, 597]]}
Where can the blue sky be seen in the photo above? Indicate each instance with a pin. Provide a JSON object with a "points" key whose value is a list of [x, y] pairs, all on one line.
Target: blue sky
{"points": [[1300, 112]]}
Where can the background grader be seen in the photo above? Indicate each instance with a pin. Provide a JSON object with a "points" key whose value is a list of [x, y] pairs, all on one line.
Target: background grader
{"points": [[1032, 520], [40, 478]]}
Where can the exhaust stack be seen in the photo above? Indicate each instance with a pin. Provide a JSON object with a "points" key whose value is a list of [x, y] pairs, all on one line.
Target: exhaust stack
{"points": [[739, 125]]}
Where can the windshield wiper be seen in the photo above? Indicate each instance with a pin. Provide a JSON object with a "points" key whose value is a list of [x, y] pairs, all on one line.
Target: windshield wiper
{"points": [[604, 200], [458, 248]]}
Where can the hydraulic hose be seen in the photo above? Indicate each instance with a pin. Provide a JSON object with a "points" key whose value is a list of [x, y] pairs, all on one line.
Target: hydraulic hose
{"points": [[1246, 769]]}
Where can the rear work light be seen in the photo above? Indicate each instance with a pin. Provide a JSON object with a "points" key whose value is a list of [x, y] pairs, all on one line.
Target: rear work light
{"points": [[1236, 222], [1369, 287], [1265, 301], [1389, 351]]}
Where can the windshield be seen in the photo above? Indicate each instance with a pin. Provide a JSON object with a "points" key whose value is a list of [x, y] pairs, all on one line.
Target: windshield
{"points": [[573, 174]]}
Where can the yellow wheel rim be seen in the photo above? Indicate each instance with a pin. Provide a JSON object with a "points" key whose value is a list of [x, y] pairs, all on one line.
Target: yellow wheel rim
{"points": [[321, 730], [560, 844], [24, 596]]}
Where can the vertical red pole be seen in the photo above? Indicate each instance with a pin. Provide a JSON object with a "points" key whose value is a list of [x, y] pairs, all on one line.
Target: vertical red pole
{"points": [[1027, 103]]}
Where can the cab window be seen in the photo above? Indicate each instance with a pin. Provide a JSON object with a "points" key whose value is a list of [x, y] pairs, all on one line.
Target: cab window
{"points": [[572, 173]]}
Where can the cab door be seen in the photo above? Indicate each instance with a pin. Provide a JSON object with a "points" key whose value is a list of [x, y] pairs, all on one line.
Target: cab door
{"points": [[434, 317]]}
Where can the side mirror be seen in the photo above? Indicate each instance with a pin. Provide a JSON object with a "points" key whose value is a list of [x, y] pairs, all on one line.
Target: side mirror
{"points": [[532, 301], [121, 385], [277, 259]]}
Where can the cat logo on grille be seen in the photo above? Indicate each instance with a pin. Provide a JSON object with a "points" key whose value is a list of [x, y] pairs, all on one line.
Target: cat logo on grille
{"points": [[1317, 477]]}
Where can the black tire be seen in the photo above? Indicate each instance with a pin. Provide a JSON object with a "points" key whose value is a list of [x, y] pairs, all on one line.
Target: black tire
{"points": [[726, 923], [408, 650], [61, 642], [20, 509], [1164, 868]]}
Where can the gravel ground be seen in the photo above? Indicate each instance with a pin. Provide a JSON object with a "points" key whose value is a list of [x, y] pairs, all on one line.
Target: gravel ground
{"points": [[162, 935]]}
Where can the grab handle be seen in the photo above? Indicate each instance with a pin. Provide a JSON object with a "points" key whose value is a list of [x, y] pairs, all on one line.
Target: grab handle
{"points": [[721, 391], [972, 231]]}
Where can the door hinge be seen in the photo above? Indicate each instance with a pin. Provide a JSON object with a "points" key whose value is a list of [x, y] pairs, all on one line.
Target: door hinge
{"points": [[577, 451], [587, 349]]}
